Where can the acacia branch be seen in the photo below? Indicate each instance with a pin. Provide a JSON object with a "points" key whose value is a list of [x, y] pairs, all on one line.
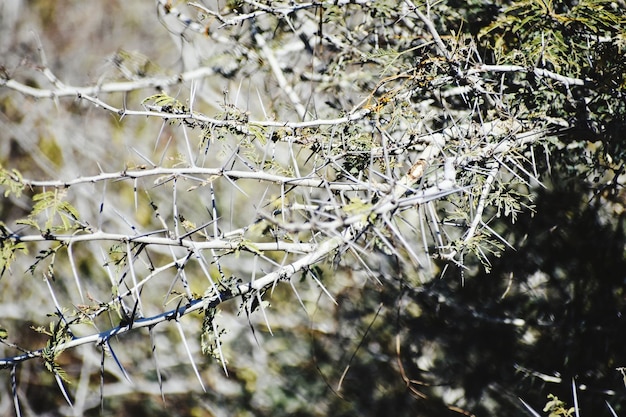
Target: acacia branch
{"points": [[63, 90], [539, 72], [214, 243], [285, 272], [191, 173]]}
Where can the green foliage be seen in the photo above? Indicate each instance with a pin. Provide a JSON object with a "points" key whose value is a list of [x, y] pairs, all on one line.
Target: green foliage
{"points": [[9, 247], [59, 215], [211, 334], [557, 408], [165, 103], [12, 180], [46, 254], [58, 336], [553, 33]]}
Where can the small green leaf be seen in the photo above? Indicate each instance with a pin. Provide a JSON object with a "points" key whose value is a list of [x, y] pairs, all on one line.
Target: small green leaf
{"points": [[259, 134], [166, 102], [8, 251], [13, 182]]}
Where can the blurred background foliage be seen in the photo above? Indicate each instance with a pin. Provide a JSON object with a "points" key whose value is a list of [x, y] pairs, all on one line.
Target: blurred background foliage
{"points": [[469, 342]]}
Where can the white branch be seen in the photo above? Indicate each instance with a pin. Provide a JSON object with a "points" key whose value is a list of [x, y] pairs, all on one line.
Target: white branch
{"points": [[165, 174], [63, 90], [540, 72], [214, 243]]}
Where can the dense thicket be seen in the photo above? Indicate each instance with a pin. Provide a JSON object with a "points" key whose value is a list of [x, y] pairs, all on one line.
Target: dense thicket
{"points": [[325, 208]]}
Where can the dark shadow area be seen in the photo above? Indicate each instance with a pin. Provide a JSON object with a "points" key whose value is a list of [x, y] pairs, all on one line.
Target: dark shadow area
{"points": [[566, 281]]}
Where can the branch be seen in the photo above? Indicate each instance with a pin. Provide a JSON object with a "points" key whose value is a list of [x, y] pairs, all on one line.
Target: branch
{"points": [[114, 87], [539, 72], [356, 114], [214, 243], [283, 10], [323, 249], [191, 173]]}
